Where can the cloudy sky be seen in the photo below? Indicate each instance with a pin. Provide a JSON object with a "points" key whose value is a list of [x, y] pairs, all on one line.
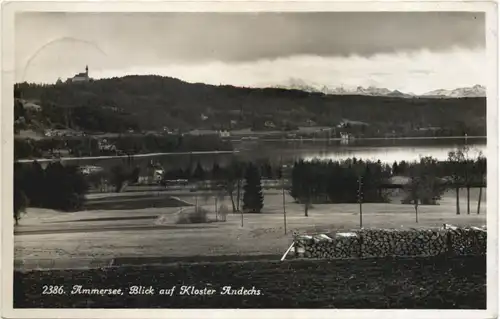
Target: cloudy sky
{"points": [[411, 52]]}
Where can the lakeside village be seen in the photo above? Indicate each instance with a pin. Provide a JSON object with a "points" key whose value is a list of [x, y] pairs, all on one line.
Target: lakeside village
{"points": [[85, 117], [60, 144]]}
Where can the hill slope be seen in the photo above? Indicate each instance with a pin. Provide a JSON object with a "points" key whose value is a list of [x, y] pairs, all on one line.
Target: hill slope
{"points": [[156, 101]]}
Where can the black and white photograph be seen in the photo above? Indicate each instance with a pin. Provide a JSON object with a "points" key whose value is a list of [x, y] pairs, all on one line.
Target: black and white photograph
{"points": [[252, 159]]}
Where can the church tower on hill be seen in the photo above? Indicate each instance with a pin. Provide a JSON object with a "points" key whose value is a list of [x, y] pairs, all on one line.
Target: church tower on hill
{"points": [[81, 77]]}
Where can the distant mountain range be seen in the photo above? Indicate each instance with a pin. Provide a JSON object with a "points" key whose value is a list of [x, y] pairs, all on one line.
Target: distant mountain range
{"points": [[475, 91], [297, 84]]}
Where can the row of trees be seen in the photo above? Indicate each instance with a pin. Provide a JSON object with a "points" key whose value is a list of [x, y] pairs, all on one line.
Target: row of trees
{"points": [[425, 186], [354, 180], [460, 170], [338, 181], [459, 164], [62, 187], [465, 170], [460, 167], [133, 144], [218, 173]]}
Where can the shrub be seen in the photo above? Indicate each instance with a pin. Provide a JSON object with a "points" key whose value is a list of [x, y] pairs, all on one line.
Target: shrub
{"points": [[98, 179], [198, 216], [424, 187], [20, 204], [119, 177], [134, 175], [223, 212]]}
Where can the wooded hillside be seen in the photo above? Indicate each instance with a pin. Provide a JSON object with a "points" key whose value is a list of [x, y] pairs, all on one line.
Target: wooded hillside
{"points": [[156, 101]]}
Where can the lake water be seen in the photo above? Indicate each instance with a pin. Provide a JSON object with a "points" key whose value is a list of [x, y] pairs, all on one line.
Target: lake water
{"points": [[386, 151]]}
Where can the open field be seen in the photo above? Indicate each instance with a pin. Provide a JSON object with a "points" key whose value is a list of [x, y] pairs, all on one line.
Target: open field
{"points": [[152, 231], [415, 283], [133, 202]]}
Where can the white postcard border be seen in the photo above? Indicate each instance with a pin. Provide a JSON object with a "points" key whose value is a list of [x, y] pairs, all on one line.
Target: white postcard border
{"points": [[7, 80]]}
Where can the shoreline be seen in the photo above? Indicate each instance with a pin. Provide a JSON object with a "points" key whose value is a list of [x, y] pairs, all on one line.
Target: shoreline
{"points": [[42, 160], [122, 156], [374, 138]]}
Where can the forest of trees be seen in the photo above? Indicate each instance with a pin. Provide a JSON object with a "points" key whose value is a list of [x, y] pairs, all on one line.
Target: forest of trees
{"points": [[154, 102], [57, 187], [81, 118], [62, 187], [337, 181]]}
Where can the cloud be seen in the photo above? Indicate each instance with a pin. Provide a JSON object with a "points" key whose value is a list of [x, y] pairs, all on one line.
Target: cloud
{"points": [[416, 72], [413, 51], [152, 38]]}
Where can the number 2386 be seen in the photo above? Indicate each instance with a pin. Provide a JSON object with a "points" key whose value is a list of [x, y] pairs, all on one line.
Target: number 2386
{"points": [[52, 290]]}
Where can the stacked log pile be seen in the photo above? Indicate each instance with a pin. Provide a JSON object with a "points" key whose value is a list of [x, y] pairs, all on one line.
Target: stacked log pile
{"points": [[337, 246], [384, 243], [347, 245], [468, 241]]}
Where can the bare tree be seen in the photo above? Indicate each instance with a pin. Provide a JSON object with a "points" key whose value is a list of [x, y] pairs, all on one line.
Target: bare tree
{"points": [[457, 161], [424, 186], [481, 169], [215, 193], [414, 188], [307, 201], [238, 192], [468, 175], [231, 183], [302, 185]]}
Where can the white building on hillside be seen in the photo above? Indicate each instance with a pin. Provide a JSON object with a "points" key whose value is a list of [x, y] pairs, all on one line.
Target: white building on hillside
{"points": [[81, 77]]}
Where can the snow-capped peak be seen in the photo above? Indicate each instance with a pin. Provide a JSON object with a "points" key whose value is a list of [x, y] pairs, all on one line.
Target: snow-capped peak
{"points": [[475, 91], [298, 84]]}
